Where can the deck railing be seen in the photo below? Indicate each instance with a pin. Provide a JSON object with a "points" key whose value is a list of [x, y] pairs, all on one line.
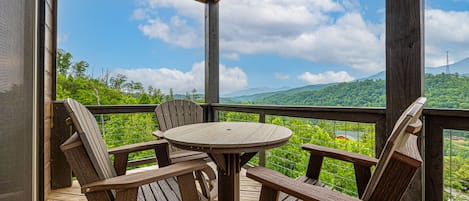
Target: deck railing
{"points": [[292, 161], [436, 121]]}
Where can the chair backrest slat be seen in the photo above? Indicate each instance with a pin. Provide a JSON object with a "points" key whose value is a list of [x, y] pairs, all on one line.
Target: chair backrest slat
{"points": [[161, 121], [400, 157], [173, 114], [180, 110], [167, 116], [186, 106], [176, 113], [89, 133]]}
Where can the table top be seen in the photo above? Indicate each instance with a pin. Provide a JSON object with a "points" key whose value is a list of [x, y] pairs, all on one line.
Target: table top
{"points": [[228, 137]]}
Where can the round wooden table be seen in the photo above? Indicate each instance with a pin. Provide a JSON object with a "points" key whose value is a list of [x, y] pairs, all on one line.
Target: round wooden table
{"points": [[230, 145]]}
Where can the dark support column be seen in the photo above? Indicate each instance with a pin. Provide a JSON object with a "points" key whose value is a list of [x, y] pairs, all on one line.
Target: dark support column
{"points": [[212, 72], [40, 102], [61, 173], [262, 153], [434, 170], [433, 158], [404, 56], [228, 181], [404, 66]]}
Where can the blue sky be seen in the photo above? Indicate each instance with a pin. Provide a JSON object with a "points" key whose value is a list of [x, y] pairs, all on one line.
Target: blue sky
{"points": [[263, 43]]}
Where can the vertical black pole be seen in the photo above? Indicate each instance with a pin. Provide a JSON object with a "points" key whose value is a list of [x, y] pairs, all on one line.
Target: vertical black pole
{"points": [[212, 72]]}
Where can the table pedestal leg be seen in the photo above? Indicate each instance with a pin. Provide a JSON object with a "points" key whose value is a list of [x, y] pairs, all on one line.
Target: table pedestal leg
{"points": [[228, 166]]}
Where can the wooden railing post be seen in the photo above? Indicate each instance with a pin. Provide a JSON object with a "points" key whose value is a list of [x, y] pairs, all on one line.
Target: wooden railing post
{"points": [[380, 136], [61, 173], [212, 68], [262, 153], [404, 67], [433, 159], [436, 121]]}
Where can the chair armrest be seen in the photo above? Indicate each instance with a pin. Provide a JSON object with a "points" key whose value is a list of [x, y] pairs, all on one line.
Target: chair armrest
{"points": [[159, 134], [340, 155], [137, 147], [275, 181], [122, 153], [142, 178]]}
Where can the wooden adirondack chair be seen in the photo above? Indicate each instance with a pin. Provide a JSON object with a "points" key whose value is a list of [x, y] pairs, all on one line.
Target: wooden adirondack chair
{"points": [[86, 153], [395, 168], [174, 113]]}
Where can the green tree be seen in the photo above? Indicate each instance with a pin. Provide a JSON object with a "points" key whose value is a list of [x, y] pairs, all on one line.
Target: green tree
{"points": [[171, 95], [117, 81], [79, 68], [64, 61]]}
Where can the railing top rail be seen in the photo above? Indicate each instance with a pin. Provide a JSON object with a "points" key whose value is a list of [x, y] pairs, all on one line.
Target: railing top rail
{"points": [[121, 109], [376, 110], [367, 115], [447, 112], [359, 114]]}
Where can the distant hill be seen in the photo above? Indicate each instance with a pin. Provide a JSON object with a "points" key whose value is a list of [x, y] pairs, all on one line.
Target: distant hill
{"points": [[460, 67], [252, 91], [378, 76], [442, 91], [292, 96], [369, 93], [252, 97]]}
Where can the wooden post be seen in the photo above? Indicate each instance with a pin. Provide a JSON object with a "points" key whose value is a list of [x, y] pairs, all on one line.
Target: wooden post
{"points": [[404, 66], [380, 135], [262, 153], [434, 127], [61, 173], [433, 158], [212, 72]]}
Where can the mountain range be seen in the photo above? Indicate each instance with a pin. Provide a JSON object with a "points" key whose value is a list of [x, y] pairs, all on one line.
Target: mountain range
{"points": [[461, 67]]}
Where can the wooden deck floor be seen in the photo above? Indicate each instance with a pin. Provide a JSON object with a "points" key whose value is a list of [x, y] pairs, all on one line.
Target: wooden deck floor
{"points": [[250, 191]]}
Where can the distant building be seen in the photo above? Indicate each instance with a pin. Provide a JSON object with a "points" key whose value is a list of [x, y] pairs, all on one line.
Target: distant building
{"points": [[342, 138], [457, 138], [348, 135]]}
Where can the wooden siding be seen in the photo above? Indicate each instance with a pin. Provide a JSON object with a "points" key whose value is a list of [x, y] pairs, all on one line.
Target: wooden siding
{"points": [[49, 91]]}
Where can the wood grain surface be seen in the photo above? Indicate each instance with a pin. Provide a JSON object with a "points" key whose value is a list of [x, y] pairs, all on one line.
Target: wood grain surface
{"points": [[233, 136]]}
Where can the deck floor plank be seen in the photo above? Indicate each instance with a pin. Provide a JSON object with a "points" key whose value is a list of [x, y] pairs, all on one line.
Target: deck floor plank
{"points": [[250, 190]]}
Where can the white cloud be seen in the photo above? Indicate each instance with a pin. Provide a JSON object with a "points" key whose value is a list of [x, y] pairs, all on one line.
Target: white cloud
{"points": [[232, 56], [327, 31], [231, 78], [62, 38], [191, 9], [176, 32], [464, 1], [446, 31], [139, 14], [326, 77], [302, 29], [281, 76]]}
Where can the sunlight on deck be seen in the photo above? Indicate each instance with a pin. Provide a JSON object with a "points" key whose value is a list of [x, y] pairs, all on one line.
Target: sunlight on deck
{"points": [[250, 189]]}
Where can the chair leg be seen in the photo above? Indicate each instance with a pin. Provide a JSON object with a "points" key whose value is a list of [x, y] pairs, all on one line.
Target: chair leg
{"points": [[187, 186], [120, 163], [268, 194], [162, 155], [127, 194], [362, 177], [314, 166], [203, 184]]}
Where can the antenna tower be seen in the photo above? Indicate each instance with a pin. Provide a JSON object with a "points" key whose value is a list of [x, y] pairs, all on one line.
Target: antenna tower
{"points": [[447, 62]]}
